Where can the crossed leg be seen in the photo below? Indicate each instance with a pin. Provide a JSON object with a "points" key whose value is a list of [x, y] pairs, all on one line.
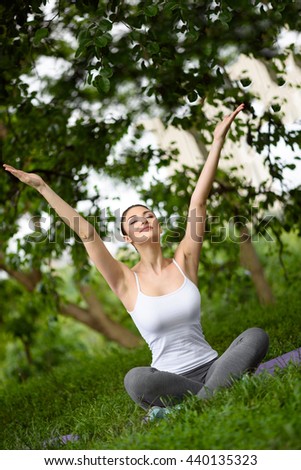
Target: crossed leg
{"points": [[244, 354], [148, 386]]}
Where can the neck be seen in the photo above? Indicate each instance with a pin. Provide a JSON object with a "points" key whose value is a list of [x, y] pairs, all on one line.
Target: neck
{"points": [[151, 258]]}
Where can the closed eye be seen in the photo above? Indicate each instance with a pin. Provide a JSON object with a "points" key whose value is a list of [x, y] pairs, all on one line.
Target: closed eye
{"points": [[133, 221]]}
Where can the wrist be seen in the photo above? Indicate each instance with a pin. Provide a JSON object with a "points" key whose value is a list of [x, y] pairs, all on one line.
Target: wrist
{"points": [[41, 188], [219, 139]]}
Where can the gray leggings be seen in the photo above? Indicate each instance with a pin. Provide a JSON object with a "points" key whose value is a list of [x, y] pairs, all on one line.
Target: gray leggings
{"points": [[148, 386]]}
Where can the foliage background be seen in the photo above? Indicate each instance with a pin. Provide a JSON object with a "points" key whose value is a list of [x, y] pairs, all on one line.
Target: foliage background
{"points": [[116, 63]]}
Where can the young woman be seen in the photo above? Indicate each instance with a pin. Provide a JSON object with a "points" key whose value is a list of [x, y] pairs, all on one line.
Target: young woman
{"points": [[162, 296]]}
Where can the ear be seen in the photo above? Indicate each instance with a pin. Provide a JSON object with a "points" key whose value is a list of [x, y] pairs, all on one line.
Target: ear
{"points": [[127, 239]]}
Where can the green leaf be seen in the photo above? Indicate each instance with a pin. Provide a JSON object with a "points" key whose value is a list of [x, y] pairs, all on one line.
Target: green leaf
{"points": [[207, 49], [276, 108], [193, 96], [83, 46], [101, 41], [153, 48], [170, 6], [245, 82], [193, 35], [84, 39], [102, 84], [40, 34], [291, 166], [280, 81], [83, 34], [106, 72], [151, 10], [150, 91], [3, 30], [104, 25], [225, 16]]}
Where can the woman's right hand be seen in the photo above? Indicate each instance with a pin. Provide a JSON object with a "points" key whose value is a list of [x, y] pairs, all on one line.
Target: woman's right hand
{"points": [[28, 178]]}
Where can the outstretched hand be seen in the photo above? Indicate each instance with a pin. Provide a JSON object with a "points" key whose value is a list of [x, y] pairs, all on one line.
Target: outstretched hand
{"points": [[28, 178], [223, 127]]}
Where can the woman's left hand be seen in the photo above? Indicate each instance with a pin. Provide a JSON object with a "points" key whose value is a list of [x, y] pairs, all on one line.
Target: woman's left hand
{"points": [[222, 128]]}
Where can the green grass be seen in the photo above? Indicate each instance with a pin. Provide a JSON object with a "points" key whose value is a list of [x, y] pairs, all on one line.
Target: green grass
{"points": [[87, 397], [261, 412]]}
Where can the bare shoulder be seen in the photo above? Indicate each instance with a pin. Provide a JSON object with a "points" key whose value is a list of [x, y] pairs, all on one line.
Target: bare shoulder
{"points": [[187, 264]]}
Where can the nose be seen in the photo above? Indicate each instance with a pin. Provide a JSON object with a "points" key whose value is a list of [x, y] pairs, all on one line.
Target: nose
{"points": [[144, 222]]}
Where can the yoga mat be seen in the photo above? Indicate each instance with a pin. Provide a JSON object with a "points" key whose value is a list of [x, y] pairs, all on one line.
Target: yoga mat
{"points": [[280, 361], [61, 440]]}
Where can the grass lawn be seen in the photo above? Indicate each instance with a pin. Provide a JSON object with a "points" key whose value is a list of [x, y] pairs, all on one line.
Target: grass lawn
{"points": [[87, 397]]}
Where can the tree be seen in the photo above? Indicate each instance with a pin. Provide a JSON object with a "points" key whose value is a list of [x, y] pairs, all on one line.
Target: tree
{"points": [[120, 61]]}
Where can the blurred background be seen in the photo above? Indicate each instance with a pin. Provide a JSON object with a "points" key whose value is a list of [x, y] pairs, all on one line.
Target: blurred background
{"points": [[115, 103]]}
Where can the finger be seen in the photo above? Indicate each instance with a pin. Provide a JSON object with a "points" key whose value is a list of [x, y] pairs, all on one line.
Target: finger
{"points": [[8, 167], [13, 170], [238, 109], [235, 113]]}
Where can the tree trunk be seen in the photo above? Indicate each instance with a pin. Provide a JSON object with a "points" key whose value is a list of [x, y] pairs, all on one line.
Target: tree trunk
{"points": [[27, 350], [249, 259], [94, 316], [28, 280]]}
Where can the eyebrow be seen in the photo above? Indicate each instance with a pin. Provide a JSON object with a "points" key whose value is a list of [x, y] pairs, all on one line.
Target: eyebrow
{"points": [[135, 215]]}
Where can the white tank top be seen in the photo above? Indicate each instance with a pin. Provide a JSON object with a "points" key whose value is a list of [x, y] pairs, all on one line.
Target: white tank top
{"points": [[170, 324]]}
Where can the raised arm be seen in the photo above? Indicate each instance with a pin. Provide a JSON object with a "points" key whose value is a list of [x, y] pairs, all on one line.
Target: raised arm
{"points": [[190, 247], [112, 270]]}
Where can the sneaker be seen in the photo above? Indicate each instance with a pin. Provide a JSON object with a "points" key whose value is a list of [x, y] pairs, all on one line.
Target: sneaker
{"points": [[158, 412]]}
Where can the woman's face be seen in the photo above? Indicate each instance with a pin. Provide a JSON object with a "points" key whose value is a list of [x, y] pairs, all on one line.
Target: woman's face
{"points": [[141, 225]]}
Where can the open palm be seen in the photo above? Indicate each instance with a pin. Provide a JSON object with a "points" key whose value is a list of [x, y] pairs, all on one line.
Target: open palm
{"points": [[222, 128], [28, 178]]}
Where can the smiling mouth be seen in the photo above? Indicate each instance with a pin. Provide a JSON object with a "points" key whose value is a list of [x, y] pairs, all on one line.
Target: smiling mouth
{"points": [[147, 228]]}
